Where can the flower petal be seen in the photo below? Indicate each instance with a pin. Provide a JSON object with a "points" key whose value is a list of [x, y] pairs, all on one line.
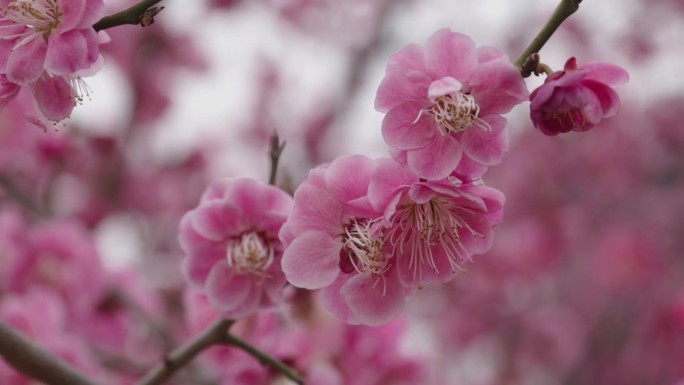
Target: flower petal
{"points": [[486, 146], [407, 126], [312, 260], [436, 160]]}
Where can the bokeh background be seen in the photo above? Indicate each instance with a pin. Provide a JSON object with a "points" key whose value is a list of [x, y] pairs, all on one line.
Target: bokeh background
{"points": [[585, 282]]}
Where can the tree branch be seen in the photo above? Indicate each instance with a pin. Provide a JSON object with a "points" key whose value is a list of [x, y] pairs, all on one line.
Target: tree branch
{"points": [[264, 358], [275, 153], [141, 13], [180, 357], [31, 360], [16, 194], [564, 9]]}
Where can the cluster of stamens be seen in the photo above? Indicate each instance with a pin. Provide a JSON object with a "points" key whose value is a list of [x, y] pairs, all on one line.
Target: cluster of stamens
{"points": [[41, 16], [423, 229], [250, 253], [455, 112], [364, 248]]}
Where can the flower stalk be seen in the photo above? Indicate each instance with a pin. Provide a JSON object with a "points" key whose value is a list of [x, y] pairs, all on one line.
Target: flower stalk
{"points": [[564, 9]]}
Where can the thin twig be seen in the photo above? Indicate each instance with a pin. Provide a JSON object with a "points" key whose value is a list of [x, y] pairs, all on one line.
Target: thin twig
{"points": [[31, 360], [276, 151], [180, 357], [264, 358], [141, 13], [20, 197], [564, 9]]}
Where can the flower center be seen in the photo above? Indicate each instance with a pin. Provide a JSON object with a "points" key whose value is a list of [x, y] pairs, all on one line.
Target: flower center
{"points": [[428, 231], [455, 112], [250, 253], [363, 248], [42, 16]]}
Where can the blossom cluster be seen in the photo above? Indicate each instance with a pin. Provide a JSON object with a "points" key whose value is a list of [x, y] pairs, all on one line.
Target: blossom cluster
{"points": [[47, 46], [369, 232]]}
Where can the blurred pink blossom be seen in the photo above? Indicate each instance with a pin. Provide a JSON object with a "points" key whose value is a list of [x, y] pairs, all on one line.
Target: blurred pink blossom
{"points": [[576, 98], [231, 247]]}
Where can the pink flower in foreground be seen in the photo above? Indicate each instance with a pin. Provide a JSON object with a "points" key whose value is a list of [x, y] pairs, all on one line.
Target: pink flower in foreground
{"points": [[231, 247], [577, 98], [334, 242], [444, 103], [433, 226], [51, 35]]}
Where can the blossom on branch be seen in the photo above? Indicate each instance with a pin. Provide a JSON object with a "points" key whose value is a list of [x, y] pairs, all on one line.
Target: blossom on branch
{"points": [[576, 98], [444, 103], [334, 241], [231, 247]]}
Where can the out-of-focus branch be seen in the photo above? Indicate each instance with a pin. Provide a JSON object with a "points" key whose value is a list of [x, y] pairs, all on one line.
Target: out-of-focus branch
{"points": [[264, 358], [564, 9], [20, 197], [180, 357], [140, 13], [276, 150], [31, 360]]}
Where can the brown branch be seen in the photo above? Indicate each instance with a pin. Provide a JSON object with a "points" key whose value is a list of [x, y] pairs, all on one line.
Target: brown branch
{"points": [[140, 13], [180, 357], [264, 358], [20, 197], [31, 360], [275, 153]]}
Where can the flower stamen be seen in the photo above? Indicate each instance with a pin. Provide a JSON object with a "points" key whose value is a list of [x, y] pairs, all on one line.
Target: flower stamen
{"points": [[250, 253]]}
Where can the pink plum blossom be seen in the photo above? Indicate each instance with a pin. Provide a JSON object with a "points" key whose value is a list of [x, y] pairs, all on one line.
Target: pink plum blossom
{"points": [[433, 226], [231, 247], [334, 242], [51, 35], [576, 98], [444, 103]]}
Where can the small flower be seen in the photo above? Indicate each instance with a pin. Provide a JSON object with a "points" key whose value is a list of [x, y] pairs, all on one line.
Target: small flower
{"points": [[334, 241], [443, 104], [577, 98], [433, 227], [231, 247]]}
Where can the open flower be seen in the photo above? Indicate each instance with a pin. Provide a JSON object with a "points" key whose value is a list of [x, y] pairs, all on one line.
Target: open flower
{"points": [[48, 35], [231, 247], [577, 98], [444, 103], [433, 227], [335, 242]]}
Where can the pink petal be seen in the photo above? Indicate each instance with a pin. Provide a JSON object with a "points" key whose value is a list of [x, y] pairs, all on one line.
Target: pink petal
{"points": [[374, 300], [66, 53], [216, 220], [405, 127], [315, 209], [609, 99], [312, 260], [226, 291], [450, 54], [436, 160], [72, 13], [333, 300], [387, 179], [54, 97], [348, 176], [486, 146], [497, 87], [409, 58], [443, 86], [25, 63], [605, 73], [488, 53], [400, 87], [196, 267], [93, 12]]}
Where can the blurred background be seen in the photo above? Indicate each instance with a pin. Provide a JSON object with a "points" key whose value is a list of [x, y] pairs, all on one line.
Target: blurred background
{"points": [[585, 282]]}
